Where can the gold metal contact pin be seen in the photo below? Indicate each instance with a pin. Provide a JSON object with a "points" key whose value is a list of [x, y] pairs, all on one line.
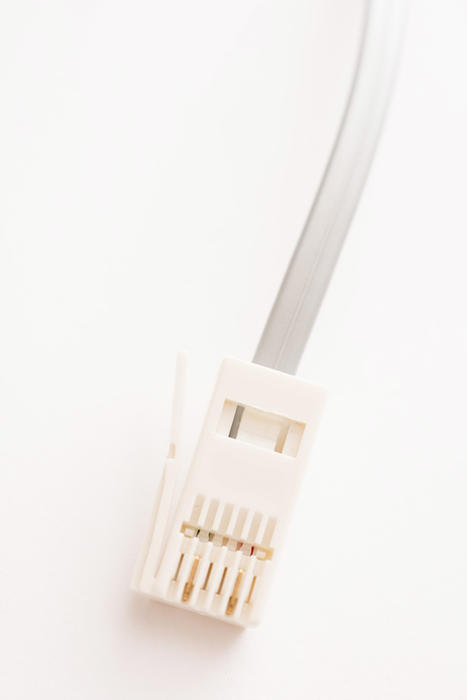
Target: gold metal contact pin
{"points": [[233, 600], [179, 566], [250, 592], [208, 576], [189, 585], [219, 590]]}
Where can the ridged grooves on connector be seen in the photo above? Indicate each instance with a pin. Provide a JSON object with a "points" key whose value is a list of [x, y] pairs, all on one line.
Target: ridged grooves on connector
{"points": [[224, 553]]}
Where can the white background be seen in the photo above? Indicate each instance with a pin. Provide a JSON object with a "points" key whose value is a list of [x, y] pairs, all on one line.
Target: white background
{"points": [[157, 164]]}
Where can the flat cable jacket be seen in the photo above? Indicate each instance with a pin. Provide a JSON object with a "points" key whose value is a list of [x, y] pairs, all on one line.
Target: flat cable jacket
{"points": [[311, 266]]}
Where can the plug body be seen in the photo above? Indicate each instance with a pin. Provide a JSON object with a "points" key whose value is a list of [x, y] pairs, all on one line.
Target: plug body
{"points": [[214, 552]]}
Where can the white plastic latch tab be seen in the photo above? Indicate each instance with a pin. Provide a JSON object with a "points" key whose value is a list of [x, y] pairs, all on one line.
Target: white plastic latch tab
{"points": [[150, 556]]}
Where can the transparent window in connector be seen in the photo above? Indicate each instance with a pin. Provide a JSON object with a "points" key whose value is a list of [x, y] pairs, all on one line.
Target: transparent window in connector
{"points": [[263, 429]]}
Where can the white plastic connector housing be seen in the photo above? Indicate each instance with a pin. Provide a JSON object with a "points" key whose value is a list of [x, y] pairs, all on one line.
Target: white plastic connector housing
{"points": [[215, 551]]}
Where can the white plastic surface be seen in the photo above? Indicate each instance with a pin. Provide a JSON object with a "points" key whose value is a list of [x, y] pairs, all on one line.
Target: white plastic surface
{"points": [[225, 538]]}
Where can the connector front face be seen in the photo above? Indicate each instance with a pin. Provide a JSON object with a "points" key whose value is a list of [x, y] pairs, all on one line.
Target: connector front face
{"points": [[222, 554], [223, 540]]}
